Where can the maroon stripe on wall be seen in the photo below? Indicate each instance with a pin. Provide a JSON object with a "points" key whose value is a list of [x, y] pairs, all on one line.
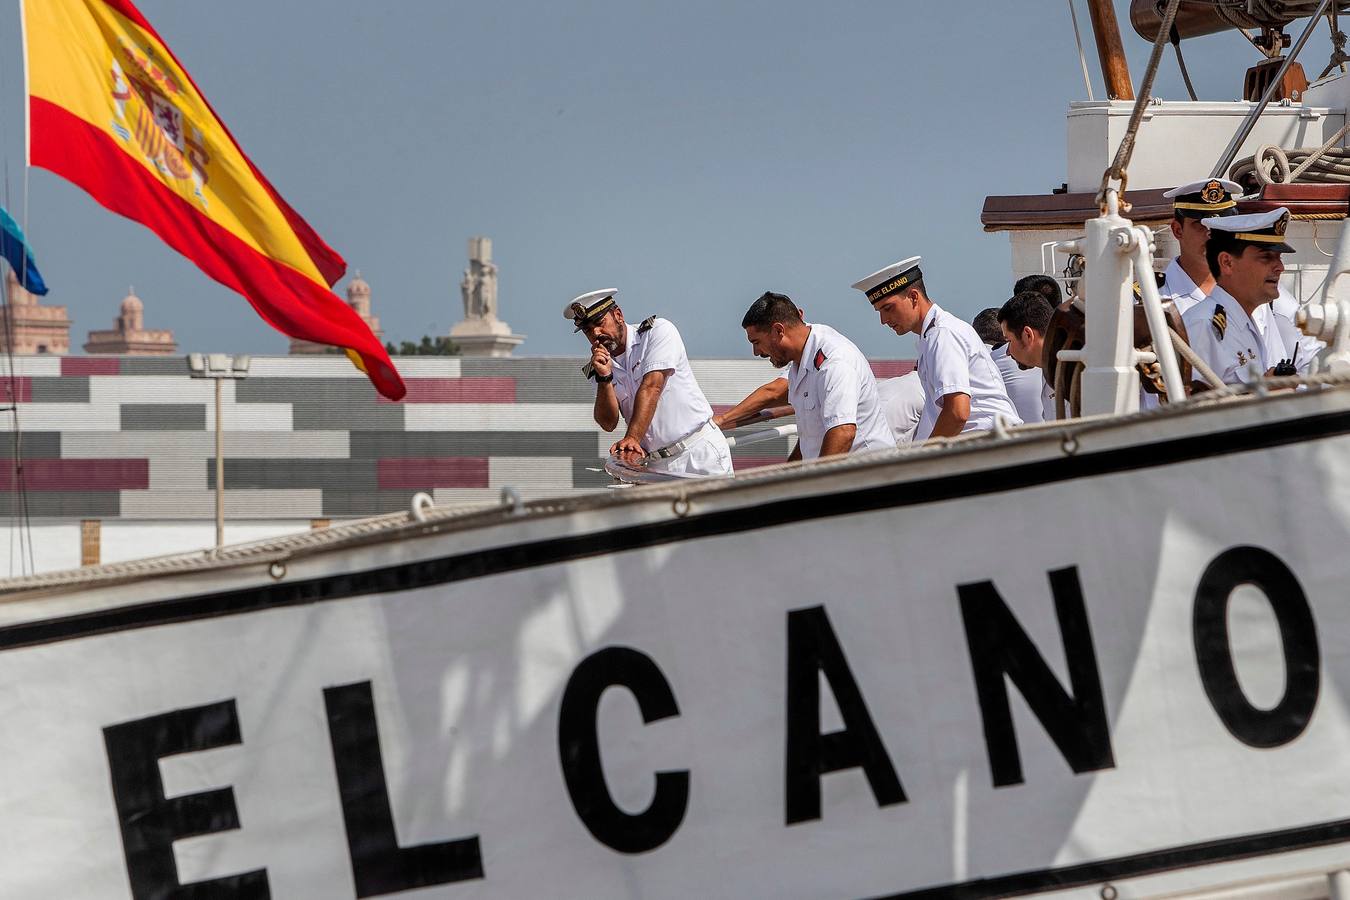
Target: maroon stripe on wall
{"points": [[16, 389], [423, 473], [78, 475], [90, 365], [459, 390], [754, 462], [891, 368]]}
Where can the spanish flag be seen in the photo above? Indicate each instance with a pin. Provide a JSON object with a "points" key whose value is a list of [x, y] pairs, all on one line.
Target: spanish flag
{"points": [[112, 110]]}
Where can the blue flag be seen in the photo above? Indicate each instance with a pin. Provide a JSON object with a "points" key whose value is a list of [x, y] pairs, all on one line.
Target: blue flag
{"points": [[14, 248]]}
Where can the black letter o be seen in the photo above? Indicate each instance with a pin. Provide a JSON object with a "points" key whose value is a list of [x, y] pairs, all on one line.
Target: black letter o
{"points": [[1302, 660]]}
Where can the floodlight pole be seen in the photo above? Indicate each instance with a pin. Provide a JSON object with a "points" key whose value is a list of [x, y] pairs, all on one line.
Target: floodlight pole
{"points": [[220, 473], [218, 367]]}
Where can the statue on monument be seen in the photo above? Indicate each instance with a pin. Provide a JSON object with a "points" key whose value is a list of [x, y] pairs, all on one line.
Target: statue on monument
{"points": [[481, 333], [479, 287]]}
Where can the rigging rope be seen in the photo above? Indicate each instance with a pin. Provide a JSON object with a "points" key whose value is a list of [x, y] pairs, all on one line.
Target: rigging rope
{"points": [[13, 394], [1126, 148], [1327, 164], [1181, 63]]}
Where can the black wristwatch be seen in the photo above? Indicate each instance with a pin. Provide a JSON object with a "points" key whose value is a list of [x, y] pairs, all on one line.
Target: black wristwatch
{"points": [[604, 379]]}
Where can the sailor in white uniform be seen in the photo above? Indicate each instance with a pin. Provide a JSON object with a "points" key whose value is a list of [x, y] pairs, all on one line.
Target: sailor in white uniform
{"points": [[902, 401], [1232, 329], [962, 387], [643, 373], [1187, 279], [829, 382], [1301, 348], [1024, 320], [1024, 384]]}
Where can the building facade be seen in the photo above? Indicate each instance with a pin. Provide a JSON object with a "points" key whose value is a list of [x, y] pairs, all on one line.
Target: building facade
{"points": [[28, 326], [118, 452], [129, 336]]}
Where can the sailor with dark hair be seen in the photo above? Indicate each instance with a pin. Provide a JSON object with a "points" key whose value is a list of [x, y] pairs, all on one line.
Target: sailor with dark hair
{"points": [[1022, 384], [1046, 285], [1232, 329], [829, 383], [1023, 321], [962, 386], [643, 373], [1187, 279]]}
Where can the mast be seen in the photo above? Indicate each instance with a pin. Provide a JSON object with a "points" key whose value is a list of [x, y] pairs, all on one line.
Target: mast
{"points": [[1115, 70]]}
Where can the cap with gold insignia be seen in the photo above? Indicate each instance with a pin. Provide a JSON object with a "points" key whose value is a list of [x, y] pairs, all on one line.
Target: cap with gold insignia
{"points": [[890, 280], [1265, 230], [589, 307], [1202, 199]]}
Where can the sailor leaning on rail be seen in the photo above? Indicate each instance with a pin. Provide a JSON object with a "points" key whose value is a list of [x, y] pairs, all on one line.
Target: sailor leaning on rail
{"points": [[643, 373], [829, 382], [962, 385], [1233, 329]]}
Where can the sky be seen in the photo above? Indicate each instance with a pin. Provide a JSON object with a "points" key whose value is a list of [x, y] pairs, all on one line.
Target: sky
{"points": [[691, 154]]}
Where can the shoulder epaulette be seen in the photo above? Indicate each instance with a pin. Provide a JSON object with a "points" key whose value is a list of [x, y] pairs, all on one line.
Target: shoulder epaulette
{"points": [[1219, 320], [647, 324]]}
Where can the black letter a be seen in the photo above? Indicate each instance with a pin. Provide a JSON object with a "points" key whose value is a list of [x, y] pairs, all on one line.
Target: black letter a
{"points": [[812, 648]]}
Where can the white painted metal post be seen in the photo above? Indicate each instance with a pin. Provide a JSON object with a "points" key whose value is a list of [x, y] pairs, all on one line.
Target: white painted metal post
{"points": [[1110, 384], [1339, 884]]}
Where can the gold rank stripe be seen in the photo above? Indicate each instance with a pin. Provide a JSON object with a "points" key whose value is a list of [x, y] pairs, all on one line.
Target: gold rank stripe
{"points": [[1203, 206], [1260, 238]]}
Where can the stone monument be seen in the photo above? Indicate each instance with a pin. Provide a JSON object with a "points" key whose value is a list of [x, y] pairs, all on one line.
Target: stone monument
{"points": [[481, 333]]}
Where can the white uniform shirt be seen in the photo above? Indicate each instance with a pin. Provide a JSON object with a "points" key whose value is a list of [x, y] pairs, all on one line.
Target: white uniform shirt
{"points": [[902, 402], [833, 385], [1284, 308], [1048, 403], [1243, 340], [682, 408], [1179, 288], [1023, 385], [953, 360]]}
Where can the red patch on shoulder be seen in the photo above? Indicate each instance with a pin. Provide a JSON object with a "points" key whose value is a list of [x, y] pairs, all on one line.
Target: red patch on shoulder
{"points": [[820, 358]]}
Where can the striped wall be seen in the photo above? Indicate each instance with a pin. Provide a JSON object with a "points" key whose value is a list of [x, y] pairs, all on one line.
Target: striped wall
{"points": [[132, 438]]}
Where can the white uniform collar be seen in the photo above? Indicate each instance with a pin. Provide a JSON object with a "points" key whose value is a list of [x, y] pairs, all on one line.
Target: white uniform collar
{"points": [[929, 319], [806, 363], [1178, 282]]}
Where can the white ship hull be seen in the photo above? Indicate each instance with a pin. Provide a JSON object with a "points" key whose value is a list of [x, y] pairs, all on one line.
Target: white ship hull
{"points": [[1113, 651]]}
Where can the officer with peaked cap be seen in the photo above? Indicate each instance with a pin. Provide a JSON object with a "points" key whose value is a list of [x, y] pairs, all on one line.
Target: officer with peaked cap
{"points": [[962, 385], [643, 373], [1187, 279], [1232, 329]]}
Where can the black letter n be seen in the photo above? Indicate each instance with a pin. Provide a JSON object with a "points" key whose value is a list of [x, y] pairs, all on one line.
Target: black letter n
{"points": [[812, 648], [998, 647]]}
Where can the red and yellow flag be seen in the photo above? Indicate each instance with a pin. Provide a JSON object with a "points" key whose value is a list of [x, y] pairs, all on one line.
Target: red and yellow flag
{"points": [[112, 110]]}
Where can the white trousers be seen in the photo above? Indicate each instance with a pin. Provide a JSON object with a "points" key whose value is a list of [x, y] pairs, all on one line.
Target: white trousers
{"points": [[707, 454]]}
